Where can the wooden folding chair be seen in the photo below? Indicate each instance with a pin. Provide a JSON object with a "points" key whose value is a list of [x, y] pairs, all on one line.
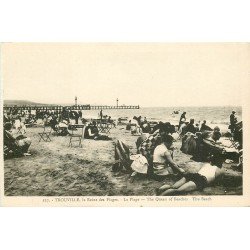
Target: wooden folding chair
{"points": [[45, 134], [19, 130], [104, 127], [75, 135]]}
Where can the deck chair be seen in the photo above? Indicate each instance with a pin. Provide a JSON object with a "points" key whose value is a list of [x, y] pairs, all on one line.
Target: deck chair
{"points": [[105, 127], [76, 134], [45, 134], [19, 130]]}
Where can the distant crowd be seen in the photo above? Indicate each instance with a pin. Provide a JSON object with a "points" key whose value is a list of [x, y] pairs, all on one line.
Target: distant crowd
{"points": [[61, 122]]}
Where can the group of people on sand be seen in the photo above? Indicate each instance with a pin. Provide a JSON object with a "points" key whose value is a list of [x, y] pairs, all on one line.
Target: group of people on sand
{"points": [[191, 126], [15, 144], [15, 122], [154, 146], [42, 116], [155, 159], [139, 125]]}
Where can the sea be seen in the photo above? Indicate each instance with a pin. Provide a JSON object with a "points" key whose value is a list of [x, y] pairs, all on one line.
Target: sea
{"points": [[215, 116]]}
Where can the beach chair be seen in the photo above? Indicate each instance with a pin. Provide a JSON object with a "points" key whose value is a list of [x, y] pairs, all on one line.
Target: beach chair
{"points": [[19, 130], [104, 127], [76, 134], [45, 134]]}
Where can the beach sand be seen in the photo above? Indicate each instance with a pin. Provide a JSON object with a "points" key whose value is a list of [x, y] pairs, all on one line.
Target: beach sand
{"points": [[55, 169]]}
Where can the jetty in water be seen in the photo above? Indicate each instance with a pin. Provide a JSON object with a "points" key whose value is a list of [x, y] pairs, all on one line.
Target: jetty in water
{"points": [[115, 107], [60, 108]]}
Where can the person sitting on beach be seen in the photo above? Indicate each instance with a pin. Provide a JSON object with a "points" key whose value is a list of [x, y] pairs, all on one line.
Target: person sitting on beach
{"points": [[213, 136], [6, 117], [197, 128], [18, 146], [62, 128], [19, 125], [136, 128], [146, 127], [204, 127], [163, 163], [157, 126], [138, 119], [170, 129], [195, 181], [200, 145], [146, 145], [91, 131], [216, 135], [54, 122]]}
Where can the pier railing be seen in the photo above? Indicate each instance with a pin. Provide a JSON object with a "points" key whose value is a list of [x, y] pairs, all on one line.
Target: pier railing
{"points": [[115, 107]]}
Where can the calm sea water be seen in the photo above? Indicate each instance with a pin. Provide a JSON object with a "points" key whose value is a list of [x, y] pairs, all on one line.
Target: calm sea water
{"points": [[215, 116]]}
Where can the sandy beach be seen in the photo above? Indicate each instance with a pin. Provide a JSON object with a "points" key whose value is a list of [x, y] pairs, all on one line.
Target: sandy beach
{"points": [[55, 169]]}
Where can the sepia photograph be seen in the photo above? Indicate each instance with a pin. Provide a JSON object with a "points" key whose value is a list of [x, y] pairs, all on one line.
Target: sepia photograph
{"points": [[122, 123], [123, 120]]}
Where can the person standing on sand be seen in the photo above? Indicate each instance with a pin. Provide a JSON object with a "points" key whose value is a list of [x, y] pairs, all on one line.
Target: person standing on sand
{"points": [[233, 121], [76, 117], [182, 119], [128, 126], [80, 114], [101, 114]]}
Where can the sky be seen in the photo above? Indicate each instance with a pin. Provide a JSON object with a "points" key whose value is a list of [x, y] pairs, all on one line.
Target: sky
{"points": [[149, 75]]}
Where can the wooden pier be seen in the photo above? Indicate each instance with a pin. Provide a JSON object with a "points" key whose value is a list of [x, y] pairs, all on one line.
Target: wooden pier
{"points": [[45, 107], [60, 108], [114, 107]]}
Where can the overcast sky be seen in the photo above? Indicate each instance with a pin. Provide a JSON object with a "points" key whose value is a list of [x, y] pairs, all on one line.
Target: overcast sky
{"points": [[145, 74]]}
